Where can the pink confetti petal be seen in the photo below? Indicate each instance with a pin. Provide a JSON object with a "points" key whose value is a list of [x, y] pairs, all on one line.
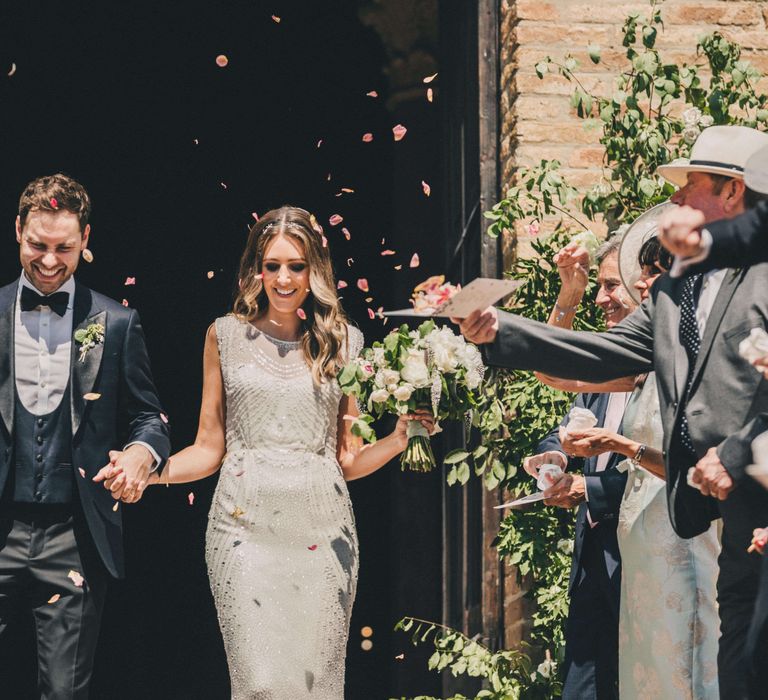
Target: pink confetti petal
{"points": [[372, 93], [341, 284], [335, 220], [54, 598], [415, 262], [76, 577], [115, 507], [301, 314], [325, 242], [255, 215], [210, 274], [222, 61], [259, 276], [399, 131], [12, 71], [350, 261], [430, 78], [398, 267], [368, 300], [347, 416], [54, 203], [223, 184], [362, 284], [430, 95], [91, 396], [367, 138], [319, 143], [87, 255], [191, 497], [196, 142], [82, 472], [387, 252], [346, 232], [371, 314], [124, 302], [163, 417], [129, 281], [276, 19], [312, 547], [427, 189], [347, 190]]}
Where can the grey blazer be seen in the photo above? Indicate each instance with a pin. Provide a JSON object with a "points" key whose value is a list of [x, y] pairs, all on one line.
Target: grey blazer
{"points": [[727, 395]]}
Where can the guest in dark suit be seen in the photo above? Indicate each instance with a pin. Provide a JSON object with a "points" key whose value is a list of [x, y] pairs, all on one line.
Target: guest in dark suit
{"points": [[76, 392], [595, 487], [709, 396]]}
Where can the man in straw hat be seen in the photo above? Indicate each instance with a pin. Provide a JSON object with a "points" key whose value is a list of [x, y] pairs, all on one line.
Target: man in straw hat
{"points": [[683, 329]]}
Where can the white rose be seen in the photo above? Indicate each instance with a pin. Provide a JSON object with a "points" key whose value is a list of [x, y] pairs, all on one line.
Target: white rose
{"points": [[473, 379], [691, 116], [415, 370], [390, 376], [379, 380], [378, 356], [445, 358], [690, 134], [379, 396], [403, 392], [392, 388]]}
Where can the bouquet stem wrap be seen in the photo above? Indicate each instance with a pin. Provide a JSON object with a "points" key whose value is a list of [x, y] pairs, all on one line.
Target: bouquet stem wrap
{"points": [[418, 455]]}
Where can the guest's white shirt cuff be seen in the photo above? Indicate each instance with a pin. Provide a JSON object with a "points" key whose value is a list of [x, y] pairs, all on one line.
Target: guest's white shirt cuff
{"points": [[152, 451], [680, 265]]}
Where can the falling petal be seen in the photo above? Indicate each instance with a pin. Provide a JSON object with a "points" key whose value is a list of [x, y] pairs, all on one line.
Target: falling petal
{"points": [[259, 276], [346, 232], [115, 507], [222, 61], [196, 142], [237, 512], [430, 95], [129, 281], [312, 547], [315, 226], [13, 70], [387, 252], [383, 241], [398, 267], [399, 131], [329, 177], [367, 138], [380, 312], [362, 284], [319, 143], [341, 284], [372, 93], [76, 577], [54, 598], [276, 19], [427, 189], [335, 220], [124, 302], [301, 314], [325, 242], [54, 202], [347, 190], [223, 184], [346, 416], [87, 255], [400, 657], [255, 215], [368, 300], [210, 274], [163, 417], [191, 497], [91, 396], [275, 322], [350, 261], [82, 472], [371, 314], [415, 262], [430, 78]]}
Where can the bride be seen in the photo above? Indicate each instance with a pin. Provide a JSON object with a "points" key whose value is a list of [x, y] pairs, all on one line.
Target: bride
{"points": [[281, 545]]}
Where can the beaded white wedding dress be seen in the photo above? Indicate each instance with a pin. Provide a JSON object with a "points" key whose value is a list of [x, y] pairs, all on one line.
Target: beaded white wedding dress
{"points": [[281, 545]]}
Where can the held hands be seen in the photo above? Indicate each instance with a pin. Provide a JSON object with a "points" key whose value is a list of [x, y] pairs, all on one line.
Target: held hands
{"points": [[127, 473], [711, 476], [762, 365], [680, 231], [531, 464], [589, 442], [568, 492], [480, 326], [573, 267]]}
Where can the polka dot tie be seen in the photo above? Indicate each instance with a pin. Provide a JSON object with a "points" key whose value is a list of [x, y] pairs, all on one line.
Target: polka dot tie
{"points": [[689, 336]]}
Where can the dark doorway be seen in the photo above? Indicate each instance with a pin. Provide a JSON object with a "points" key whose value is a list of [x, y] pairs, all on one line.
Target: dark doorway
{"points": [[177, 153]]}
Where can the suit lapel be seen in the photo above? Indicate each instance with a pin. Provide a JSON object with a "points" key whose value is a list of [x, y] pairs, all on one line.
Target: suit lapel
{"points": [[83, 373], [722, 300], [679, 359], [7, 376]]}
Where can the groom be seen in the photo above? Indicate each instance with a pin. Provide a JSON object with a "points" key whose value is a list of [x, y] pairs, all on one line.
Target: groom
{"points": [[75, 383]]}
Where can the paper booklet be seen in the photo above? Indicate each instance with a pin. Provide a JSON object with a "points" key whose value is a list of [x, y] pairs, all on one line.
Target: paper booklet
{"points": [[538, 496], [480, 293]]}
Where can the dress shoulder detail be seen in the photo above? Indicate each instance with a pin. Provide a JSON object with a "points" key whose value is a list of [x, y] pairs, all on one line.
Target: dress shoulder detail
{"points": [[355, 342]]}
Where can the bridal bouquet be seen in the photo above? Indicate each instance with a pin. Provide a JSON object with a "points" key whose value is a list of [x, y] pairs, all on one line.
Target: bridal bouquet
{"points": [[428, 367]]}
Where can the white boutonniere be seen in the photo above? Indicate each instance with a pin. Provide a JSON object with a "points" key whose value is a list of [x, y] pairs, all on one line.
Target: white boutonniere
{"points": [[89, 338]]}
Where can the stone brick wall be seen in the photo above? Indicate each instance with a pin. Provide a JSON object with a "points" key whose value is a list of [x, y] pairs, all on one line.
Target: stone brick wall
{"points": [[536, 119]]}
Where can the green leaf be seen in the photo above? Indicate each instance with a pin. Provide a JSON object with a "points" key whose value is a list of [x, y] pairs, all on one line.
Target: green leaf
{"points": [[455, 456], [462, 473]]}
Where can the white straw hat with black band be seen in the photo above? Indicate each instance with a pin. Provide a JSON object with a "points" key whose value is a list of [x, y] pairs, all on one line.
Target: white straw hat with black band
{"points": [[756, 172], [719, 150]]}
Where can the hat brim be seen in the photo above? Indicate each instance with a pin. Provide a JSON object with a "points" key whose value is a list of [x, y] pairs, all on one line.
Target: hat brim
{"points": [[644, 227], [678, 174]]}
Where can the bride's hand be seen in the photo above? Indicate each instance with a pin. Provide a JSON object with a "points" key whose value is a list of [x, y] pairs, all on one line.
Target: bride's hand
{"points": [[422, 415]]}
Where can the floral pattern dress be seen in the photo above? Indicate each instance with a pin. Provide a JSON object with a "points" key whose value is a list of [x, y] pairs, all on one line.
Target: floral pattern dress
{"points": [[668, 623]]}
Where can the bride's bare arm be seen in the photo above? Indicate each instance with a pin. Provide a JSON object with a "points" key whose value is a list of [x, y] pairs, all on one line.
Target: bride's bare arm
{"points": [[204, 457], [358, 460], [577, 386]]}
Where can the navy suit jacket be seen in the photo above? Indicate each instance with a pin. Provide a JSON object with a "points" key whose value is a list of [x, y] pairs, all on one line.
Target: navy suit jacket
{"points": [[605, 490]]}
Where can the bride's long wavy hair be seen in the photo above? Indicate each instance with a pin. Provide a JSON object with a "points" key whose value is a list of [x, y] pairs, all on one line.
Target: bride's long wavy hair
{"points": [[324, 331]]}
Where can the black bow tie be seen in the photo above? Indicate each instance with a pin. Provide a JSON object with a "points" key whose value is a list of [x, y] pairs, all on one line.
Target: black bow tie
{"points": [[30, 300]]}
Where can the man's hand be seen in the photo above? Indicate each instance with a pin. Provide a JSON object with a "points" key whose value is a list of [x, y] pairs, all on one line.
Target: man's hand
{"points": [[680, 231], [531, 464], [711, 476], [568, 492], [573, 267], [480, 326], [127, 473], [762, 365], [589, 442]]}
